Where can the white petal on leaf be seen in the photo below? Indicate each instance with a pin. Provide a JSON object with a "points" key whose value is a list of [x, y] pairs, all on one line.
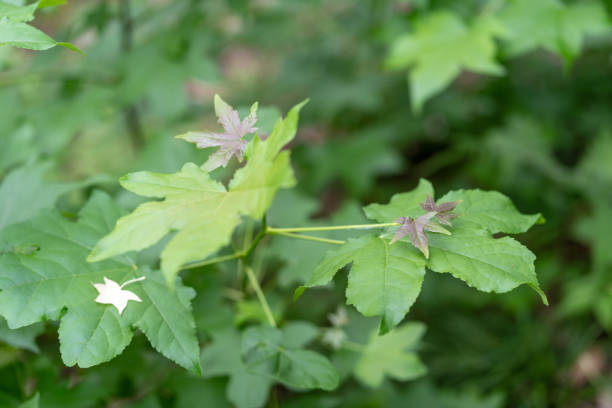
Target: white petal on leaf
{"points": [[111, 293]]}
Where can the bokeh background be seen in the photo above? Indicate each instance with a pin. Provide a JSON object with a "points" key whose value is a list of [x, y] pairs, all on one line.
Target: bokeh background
{"points": [[540, 132]]}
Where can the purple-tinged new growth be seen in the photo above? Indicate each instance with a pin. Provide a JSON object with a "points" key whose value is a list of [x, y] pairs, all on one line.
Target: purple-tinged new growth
{"points": [[416, 229], [443, 211], [231, 141]]}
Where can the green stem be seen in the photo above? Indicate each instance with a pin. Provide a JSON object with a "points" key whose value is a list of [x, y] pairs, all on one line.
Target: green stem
{"points": [[260, 295], [210, 261], [332, 228], [262, 233], [307, 237]]}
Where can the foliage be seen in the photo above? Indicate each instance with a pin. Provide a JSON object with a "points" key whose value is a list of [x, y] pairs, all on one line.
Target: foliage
{"points": [[506, 114]]}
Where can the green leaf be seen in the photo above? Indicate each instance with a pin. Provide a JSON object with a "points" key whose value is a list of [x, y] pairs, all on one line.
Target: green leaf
{"points": [[483, 262], [384, 279], [23, 337], [17, 13], [23, 35], [552, 25], [440, 47], [40, 284], [471, 253], [201, 209], [490, 210], [222, 357], [391, 355], [18, 203], [273, 353]]}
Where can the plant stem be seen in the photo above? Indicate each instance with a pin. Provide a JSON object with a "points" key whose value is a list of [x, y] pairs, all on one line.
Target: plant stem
{"points": [[210, 261], [260, 295], [332, 228], [306, 237]]}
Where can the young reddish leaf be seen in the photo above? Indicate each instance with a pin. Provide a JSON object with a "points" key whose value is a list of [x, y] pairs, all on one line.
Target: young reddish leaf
{"points": [[231, 141], [443, 211], [416, 229]]}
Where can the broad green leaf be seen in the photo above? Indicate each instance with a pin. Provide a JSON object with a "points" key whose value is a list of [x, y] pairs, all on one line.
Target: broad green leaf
{"points": [[384, 279], [273, 353], [23, 337], [552, 25], [222, 357], [440, 47], [483, 262], [471, 253], [39, 284], [23, 35], [24, 192], [17, 13], [490, 210], [201, 209], [391, 355]]}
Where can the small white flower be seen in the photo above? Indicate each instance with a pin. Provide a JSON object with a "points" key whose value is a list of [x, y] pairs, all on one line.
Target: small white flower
{"points": [[111, 293]]}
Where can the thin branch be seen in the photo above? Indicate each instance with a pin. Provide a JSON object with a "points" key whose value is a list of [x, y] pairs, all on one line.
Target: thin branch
{"points": [[260, 295], [211, 261], [272, 230], [306, 237]]}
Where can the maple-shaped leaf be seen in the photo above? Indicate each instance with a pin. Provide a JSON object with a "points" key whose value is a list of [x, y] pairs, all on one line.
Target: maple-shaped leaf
{"points": [[443, 211], [416, 229], [41, 284], [440, 47], [231, 142], [384, 280], [279, 354], [391, 355], [552, 25], [202, 210], [111, 293], [471, 253]]}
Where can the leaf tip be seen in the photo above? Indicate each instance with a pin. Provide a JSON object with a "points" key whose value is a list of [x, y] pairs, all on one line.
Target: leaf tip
{"points": [[298, 292]]}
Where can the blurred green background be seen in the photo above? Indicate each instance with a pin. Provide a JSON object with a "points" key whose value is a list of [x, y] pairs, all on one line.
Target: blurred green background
{"points": [[540, 132]]}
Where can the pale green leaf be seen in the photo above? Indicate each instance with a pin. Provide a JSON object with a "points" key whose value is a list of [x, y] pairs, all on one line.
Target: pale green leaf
{"points": [[384, 279], [391, 355], [552, 25], [17, 13], [23, 35], [202, 211], [440, 47], [267, 351], [39, 284]]}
